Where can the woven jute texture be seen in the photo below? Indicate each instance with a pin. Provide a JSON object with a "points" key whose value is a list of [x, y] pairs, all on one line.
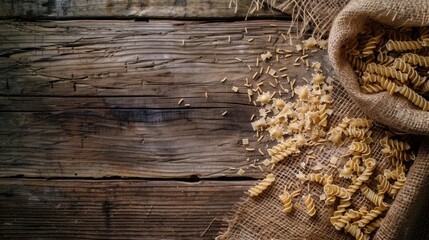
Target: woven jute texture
{"points": [[262, 218], [312, 15]]}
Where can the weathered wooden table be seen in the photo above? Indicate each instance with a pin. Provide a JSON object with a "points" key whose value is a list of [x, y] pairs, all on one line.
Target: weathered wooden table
{"points": [[93, 143]]}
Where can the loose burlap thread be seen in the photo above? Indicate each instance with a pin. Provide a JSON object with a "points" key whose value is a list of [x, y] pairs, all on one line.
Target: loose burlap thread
{"points": [[262, 218]]}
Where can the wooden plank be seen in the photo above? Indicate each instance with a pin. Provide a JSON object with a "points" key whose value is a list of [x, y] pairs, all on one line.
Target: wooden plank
{"points": [[99, 98], [37, 209], [105, 135], [189, 9]]}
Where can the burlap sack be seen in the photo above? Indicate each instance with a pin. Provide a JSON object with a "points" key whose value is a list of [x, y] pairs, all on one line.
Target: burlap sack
{"points": [[395, 112], [261, 217]]}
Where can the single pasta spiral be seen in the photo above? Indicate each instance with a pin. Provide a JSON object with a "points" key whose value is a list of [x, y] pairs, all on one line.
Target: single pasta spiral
{"points": [[372, 226], [384, 185], [416, 59], [356, 232], [357, 63], [402, 46], [399, 183], [385, 60], [387, 72], [359, 147], [372, 44], [367, 218], [395, 144], [261, 186], [309, 203], [404, 67], [371, 88], [286, 199], [323, 116], [389, 85], [336, 190], [414, 97], [375, 198]]}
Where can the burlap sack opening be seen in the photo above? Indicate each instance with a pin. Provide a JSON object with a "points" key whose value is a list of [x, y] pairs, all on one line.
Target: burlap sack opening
{"points": [[261, 218], [393, 111]]}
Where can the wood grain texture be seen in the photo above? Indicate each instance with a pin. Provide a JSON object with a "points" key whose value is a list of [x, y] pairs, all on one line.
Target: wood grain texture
{"points": [[37, 209], [99, 98], [190, 9]]}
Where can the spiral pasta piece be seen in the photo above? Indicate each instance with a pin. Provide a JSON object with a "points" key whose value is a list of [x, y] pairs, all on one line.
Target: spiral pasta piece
{"points": [[404, 67], [263, 185], [372, 226], [395, 144], [395, 173], [416, 59], [389, 85], [387, 72], [360, 147], [360, 123], [371, 215], [357, 64], [399, 183], [356, 232], [346, 219], [323, 115], [371, 88], [282, 150], [414, 97], [384, 185], [286, 199], [372, 44], [309, 203], [403, 46], [354, 132], [358, 169], [335, 190], [375, 198], [364, 177], [402, 156], [385, 59], [425, 86], [368, 78], [342, 206], [315, 177]]}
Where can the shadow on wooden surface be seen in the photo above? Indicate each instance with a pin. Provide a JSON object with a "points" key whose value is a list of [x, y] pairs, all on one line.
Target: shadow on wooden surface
{"points": [[37, 209], [131, 9]]}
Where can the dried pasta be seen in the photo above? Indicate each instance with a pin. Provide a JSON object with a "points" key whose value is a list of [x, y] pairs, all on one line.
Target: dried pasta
{"points": [[309, 203], [262, 186], [375, 198], [403, 46], [399, 183], [286, 199], [414, 97], [387, 72], [371, 215], [416, 59], [393, 61], [335, 190], [356, 232]]}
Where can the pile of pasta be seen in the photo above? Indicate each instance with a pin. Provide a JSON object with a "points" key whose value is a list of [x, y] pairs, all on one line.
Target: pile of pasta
{"points": [[360, 221], [392, 60], [302, 123]]}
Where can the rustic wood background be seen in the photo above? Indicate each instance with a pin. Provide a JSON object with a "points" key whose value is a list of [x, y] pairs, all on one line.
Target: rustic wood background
{"points": [[93, 143]]}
